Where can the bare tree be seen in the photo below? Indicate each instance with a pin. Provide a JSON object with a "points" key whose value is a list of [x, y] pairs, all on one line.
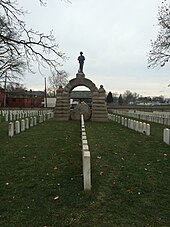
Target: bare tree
{"points": [[15, 87], [160, 48], [57, 79], [129, 97], [18, 40]]}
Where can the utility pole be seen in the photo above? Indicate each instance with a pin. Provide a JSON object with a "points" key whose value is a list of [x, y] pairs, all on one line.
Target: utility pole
{"points": [[45, 95], [5, 82]]}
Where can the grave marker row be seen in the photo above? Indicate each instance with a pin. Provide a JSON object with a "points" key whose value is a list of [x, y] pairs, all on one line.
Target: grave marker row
{"points": [[85, 158], [156, 117], [13, 115], [141, 127], [20, 126]]}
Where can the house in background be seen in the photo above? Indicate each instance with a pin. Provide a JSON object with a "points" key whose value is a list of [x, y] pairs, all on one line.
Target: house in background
{"points": [[24, 99], [35, 99]]}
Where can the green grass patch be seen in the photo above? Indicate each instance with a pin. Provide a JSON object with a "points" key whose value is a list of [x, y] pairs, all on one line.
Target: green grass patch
{"points": [[41, 180]]}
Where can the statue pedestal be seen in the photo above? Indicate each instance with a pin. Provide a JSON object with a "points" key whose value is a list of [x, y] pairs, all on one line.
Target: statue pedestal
{"points": [[80, 75]]}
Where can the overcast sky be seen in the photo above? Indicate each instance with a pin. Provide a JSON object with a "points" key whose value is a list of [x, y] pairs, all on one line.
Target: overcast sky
{"points": [[114, 37]]}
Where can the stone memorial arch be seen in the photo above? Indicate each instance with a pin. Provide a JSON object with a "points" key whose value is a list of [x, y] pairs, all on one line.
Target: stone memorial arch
{"points": [[99, 108]]}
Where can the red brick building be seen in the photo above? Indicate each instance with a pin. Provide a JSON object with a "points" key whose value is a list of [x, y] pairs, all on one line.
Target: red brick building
{"points": [[24, 99], [2, 95]]}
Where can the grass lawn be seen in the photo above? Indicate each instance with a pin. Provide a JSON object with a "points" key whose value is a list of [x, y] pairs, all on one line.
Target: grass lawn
{"points": [[41, 177]]}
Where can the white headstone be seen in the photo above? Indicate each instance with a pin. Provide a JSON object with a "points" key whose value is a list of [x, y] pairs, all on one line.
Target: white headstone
{"points": [[17, 127], [166, 135], [31, 122], [125, 122], [148, 130], [26, 123], [11, 129], [35, 120], [87, 171], [84, 142], [6, 117], [22, 125]]}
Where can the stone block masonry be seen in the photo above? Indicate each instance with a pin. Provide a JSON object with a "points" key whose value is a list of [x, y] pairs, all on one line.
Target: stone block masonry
{"points": [[99, 108]]}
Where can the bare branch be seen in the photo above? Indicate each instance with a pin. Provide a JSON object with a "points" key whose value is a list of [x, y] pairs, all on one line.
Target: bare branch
{"points": [[16, 39], [160, 48]]}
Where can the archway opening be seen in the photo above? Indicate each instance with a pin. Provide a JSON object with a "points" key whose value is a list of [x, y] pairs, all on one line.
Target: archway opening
{"points": [[80, 94], [80, 102]]}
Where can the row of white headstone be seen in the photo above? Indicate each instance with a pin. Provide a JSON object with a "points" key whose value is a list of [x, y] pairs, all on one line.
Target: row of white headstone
{"points": [[156, 117], [13, 115], [85, 157], [20, 126], [141, 127]]}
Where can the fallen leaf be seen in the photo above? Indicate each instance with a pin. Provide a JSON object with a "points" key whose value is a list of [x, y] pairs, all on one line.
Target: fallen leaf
{"points": [[56, 198], [106, 165]]}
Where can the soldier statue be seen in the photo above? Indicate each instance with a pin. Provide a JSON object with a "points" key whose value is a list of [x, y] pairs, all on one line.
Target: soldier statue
{"points": [[81, 59]]}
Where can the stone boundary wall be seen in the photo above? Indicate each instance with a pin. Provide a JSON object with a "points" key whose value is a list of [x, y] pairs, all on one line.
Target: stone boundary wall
{"points": [[140, 127], [21, 125], [85, 158], [156, 117]]}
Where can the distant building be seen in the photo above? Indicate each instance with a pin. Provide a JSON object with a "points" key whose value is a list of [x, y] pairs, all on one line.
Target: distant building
{"points": [[24, 99], [51, 102], [2, 96], [35, 99], [80, 96]]}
